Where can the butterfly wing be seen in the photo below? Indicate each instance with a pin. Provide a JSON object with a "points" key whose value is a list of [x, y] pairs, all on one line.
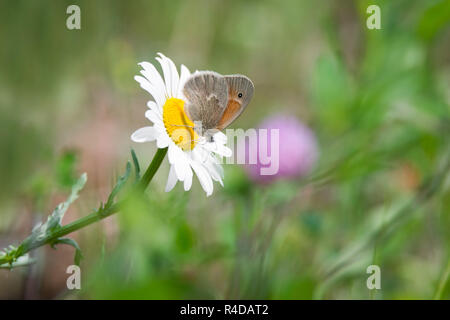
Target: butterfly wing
{"points": [[240, 92], [207, 96]]}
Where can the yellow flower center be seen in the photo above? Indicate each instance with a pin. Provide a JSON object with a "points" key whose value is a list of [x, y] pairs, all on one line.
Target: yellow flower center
{"points": [[178, 126]]}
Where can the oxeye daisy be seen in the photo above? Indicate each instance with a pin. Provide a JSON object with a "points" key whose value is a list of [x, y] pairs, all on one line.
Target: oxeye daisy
{"points": [[188, 152]]}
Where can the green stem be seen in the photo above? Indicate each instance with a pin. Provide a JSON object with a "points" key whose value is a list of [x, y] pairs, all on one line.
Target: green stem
{"points": [[95, 216], [152, 168]]}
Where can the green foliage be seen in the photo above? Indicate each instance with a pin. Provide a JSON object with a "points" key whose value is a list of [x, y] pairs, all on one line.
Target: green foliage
{"points": [[434, 19], [48, 232], [378, 101], [333, 92], [137, 169], [119, 185], [73, 243], [43, 233], [53, 223]]}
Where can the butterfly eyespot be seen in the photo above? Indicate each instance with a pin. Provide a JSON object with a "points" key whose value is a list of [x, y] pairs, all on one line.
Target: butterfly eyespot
{"points": [[240, 95]]}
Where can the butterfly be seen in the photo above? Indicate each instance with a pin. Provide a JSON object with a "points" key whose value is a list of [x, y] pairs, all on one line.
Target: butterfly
{"points": [[215, 101]]}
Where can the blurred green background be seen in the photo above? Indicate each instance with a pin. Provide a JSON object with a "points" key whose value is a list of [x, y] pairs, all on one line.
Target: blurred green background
{"points": [[378, 101]]}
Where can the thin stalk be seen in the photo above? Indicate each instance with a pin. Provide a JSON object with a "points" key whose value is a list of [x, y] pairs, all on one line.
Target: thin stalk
{"points": [[152, 168]]}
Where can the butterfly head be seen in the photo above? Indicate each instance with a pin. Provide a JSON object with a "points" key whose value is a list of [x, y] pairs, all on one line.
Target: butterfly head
{"points": [[240, 89]]}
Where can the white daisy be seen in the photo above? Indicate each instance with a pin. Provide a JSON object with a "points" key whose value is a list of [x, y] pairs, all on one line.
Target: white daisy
{"points": [[172, 129]]}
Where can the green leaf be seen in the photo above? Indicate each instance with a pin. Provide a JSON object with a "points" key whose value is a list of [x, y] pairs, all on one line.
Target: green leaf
{"points": [[73, 243], [137, 168], [57, 215], [53, 222], [119, 184]]}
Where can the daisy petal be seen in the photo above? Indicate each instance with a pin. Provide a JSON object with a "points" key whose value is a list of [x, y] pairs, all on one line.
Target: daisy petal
{"points": [[153, 116], [219, 169], [174, 78], [220, 137], [219, 149], [203, 177], [183, 77], [178, 160], [224, 151], [167, 75], [171, 180], [154, 78], [147, 86], [188, 179], [212, 170], [158, 94], [144, 134], [154, 106], [162, 142]]}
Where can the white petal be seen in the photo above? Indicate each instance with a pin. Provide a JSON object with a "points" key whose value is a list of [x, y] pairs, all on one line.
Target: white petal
{"points": [[224, 151], [213, 173], [214, 170], [152, 74], [157, 94], [203, 177], [199, 155], [171, 180], [153, 116], [219, 149], [220, 137], [185, 166], [174, 78], [155, 80], [162, 141], [167, 75], [188, 179], [183, 77], [219, 169], [171, 156], [154, 106], [144, 134], [178, 160], [220, 140]]}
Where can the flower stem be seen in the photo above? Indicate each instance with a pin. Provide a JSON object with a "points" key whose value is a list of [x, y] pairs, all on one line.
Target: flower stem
{"points": [[93, 217], [152, 168]]}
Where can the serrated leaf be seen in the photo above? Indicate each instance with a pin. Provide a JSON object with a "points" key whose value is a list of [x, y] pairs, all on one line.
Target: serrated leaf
{"points": [[41, 230], [57, 215], [78, 255], [119, 184]]}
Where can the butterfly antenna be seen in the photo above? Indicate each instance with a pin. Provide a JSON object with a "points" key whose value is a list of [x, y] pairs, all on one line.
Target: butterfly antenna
{"points": [[180, 125], [193, 140]]}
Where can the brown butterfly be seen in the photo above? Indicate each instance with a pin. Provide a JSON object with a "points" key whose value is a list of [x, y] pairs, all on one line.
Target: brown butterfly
{"points": [[215, 100]]}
